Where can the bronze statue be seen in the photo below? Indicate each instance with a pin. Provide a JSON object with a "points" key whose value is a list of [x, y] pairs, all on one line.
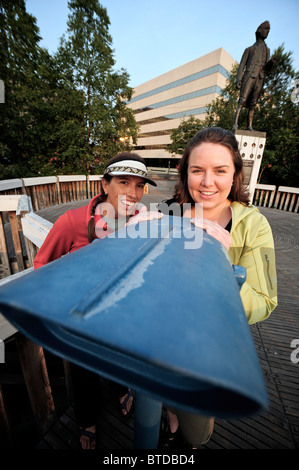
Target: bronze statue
{"points": [[253, 68]]}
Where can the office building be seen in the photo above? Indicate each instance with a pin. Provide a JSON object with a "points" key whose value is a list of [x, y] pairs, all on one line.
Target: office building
{"points": [[162, 103]]}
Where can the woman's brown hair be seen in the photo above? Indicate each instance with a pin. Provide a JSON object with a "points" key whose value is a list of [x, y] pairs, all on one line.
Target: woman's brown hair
{"points": [[101, 198], [214, 135]]}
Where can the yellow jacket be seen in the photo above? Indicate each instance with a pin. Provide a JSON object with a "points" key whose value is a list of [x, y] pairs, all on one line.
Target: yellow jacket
{"points": [[253, 248]]}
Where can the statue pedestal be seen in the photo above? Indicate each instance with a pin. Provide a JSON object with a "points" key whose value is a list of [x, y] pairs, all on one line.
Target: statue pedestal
{"points": [[251, 146]]}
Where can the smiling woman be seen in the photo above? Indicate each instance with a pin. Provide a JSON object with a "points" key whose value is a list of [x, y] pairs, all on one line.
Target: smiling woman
{"points": [[123, 194], [122, 188], [211, 174], [210, 179], [123, 182]]}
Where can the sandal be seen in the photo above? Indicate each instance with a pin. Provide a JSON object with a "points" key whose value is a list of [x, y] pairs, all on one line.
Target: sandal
{"points": [[190, 446], [169, 440], [91, 436], [123, 405]]}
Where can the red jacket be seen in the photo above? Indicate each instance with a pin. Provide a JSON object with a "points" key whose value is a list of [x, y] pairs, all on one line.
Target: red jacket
{"points": [[69, 233]]}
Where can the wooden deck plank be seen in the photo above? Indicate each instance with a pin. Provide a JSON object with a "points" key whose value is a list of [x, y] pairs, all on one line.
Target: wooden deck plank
{"points": [[116, 432]]}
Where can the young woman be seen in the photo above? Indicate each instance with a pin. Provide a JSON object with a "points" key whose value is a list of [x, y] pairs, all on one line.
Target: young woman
{"points": [[211, 174], [123, 182]]}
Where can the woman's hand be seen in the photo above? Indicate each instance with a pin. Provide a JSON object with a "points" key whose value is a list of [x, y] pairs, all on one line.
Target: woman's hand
{"points": [[143, 216], [215, 230]]}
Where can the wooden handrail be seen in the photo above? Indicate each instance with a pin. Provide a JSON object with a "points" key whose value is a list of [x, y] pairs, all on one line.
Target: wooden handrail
{"points": [[47, 191], [51, 190], [12, 208], [264, 195], [283, 197], [287, 199]]}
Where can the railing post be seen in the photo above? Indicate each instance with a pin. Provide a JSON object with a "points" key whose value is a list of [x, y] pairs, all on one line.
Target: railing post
{"points": [[272, 197], [5, 430], [286, 199], [3, 249], [15, 229], [15, 206], [94, 185], [88, 186], [37, 381], [260, 191]]}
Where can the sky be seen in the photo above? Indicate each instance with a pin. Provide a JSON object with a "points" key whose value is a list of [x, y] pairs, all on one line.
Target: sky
{"points": [[155, 36]]}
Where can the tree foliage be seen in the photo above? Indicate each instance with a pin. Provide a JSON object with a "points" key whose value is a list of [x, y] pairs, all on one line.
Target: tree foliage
{"points": [[66, 112], [89, 65], [183, 133], [18, 58]]}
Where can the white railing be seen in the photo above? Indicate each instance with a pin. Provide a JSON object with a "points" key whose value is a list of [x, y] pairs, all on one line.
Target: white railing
{"points": [[47, 191], [283, 198], [50, 190], [264, 195], [12, 208], [287, 199], [19, 226], [163, 171], [17, 210]]}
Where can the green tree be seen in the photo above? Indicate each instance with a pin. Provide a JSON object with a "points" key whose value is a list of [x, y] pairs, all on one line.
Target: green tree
{"points": [[42, 117], [19, 37], [87, 58], [68, 134], [278, 116], [183, 133], [58, 134], [61, 112]]}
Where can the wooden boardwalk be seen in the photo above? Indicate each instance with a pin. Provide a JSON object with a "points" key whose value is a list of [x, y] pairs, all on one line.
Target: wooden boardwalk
{"points": [[276, 428]]}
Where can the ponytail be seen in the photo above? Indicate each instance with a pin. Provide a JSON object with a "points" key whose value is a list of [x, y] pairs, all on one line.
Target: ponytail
{"points": [[101, 198], [90, 226]]}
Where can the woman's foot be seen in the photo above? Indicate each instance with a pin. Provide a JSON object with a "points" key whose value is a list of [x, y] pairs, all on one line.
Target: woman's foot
{"points": [[173, 422], [171, 433], [126, 403], [88, 437]]}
